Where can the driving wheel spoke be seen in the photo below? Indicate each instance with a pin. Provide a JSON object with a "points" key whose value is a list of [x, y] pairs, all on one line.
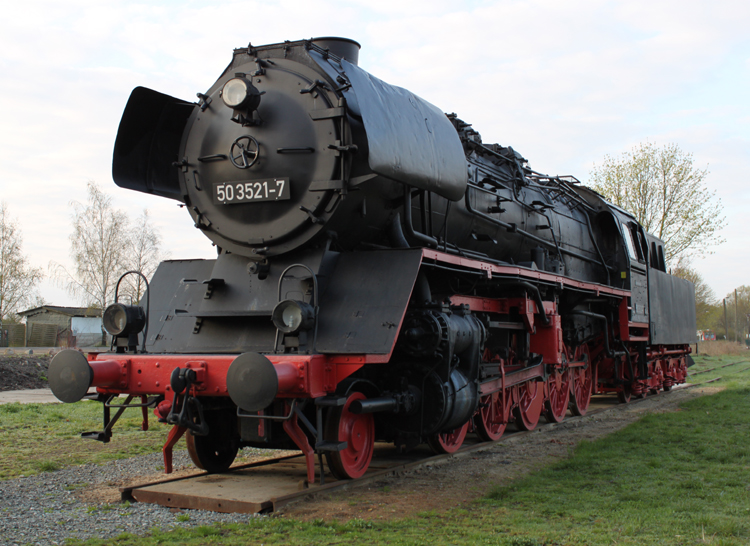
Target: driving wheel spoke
{"points": [[448, 442]]}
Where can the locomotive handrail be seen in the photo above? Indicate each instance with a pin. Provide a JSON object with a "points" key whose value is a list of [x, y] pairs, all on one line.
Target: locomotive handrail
{"points": [[426, 239], [514, 227], [148, 299], [596, 246], [552, 231]]}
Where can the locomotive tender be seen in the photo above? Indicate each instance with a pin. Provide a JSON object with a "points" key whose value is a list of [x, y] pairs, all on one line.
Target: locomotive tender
{"points": [[382, 274]]}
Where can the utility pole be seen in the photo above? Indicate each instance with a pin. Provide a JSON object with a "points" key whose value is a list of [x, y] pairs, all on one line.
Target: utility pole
{"points": [[726, 323], [735, 316]]}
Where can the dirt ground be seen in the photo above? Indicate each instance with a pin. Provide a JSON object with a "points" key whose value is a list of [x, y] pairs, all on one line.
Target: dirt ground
{"points": [[23, 371], [461, 479]]}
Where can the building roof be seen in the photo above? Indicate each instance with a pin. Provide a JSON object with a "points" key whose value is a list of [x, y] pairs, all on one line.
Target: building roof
{"points": [[67, 311]]}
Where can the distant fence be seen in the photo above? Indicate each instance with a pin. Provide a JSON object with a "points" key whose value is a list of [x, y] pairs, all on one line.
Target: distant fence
{"points": [[45, 335], [42, 335], [13, 335]]}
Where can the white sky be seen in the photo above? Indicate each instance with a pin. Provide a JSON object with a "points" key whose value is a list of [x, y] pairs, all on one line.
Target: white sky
{"points": [[564, 83]]}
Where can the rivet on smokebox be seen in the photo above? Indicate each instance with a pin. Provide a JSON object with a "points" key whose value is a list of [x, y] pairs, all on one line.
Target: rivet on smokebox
{"points": [[158, 365], [157, 383]]}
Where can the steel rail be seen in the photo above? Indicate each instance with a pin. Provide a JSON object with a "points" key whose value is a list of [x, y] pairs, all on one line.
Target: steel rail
{"points": [[718, 367]]}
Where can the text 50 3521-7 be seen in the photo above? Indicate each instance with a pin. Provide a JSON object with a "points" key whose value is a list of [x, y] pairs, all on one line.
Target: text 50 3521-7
{"points": [[276, 189]]}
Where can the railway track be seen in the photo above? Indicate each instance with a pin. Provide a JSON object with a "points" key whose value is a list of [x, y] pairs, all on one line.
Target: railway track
{"points": [[268, 485]]}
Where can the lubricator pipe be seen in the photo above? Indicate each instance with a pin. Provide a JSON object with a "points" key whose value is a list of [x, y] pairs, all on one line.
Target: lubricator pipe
{"points": [[607, 351], [537, 297], [71, 375]]}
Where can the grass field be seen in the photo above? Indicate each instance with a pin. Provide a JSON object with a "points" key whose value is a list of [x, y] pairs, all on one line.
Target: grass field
{"points": [[46, 437], [674, 478]]}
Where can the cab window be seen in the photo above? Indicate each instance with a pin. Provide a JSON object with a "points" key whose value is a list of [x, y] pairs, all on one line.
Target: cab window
{"points": [[632, 242], [629, 242]]}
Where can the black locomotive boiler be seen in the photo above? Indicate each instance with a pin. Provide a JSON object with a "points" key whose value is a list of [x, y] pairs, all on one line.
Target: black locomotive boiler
{"points": [[381, 274]]}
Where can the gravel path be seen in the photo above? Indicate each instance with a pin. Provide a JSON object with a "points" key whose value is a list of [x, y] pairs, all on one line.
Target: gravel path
{"points": [[44, 509]]}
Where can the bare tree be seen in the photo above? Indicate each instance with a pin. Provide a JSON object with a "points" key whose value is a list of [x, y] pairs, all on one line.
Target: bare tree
{"points": [[667, 194], [18, 280], [98, 248], [144, 254]]}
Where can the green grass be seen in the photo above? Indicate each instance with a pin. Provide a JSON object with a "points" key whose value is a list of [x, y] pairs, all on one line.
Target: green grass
{"points": [[676, 478], [680, 478], [46, 437]]}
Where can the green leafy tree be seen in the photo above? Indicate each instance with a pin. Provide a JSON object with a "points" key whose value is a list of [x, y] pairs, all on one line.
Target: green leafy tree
{"points": [[18, 280], [667, 194]]}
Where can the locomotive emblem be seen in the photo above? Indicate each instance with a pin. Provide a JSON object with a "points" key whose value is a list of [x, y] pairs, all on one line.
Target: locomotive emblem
{"points": [[244, 152]]}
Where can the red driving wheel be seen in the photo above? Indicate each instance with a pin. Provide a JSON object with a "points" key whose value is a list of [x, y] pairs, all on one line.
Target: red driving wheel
{"points": [[583, 379], [529, 399], [557, 395], [492, 418]]}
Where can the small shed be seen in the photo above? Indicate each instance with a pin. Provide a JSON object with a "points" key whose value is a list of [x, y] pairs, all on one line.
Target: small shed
{"points": [[53, 326]]}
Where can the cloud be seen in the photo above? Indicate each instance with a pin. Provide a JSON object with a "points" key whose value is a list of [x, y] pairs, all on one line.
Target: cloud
{"points": [[563, 82]]}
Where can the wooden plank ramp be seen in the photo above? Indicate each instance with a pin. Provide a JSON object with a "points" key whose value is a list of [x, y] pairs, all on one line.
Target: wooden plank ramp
{"points": [[260, 487]]}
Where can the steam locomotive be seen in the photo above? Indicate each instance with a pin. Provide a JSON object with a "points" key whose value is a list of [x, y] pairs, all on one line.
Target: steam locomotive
{"points": [[381, 275]]}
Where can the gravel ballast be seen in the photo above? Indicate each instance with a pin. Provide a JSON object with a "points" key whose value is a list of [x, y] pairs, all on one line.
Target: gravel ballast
{"points": [[44, 509]]}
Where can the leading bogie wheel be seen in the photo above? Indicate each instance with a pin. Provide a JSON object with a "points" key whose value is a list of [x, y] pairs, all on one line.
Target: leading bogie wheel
{"points": [[215, 452], [624, 393], [358, 431], [448, 442], [582, 385]]}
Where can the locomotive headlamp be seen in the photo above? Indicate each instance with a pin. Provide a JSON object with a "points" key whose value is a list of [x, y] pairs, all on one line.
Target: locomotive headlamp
{"points": [[239, 94], [291, 316], [122, 320]]}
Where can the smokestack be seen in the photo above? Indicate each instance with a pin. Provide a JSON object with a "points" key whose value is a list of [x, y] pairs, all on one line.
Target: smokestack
{"points": [[341, 47]]}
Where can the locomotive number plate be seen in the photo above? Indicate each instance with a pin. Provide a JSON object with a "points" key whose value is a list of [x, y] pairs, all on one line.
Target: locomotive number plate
{"points": [[272, 189]]}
